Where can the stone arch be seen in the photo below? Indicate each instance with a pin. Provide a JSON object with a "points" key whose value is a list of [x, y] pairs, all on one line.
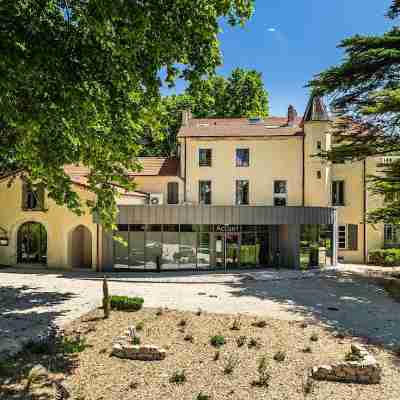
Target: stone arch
{"points": [[80, 247], [31, 243]]}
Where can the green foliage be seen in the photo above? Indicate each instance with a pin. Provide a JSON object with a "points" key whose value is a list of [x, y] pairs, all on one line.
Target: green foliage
{"points": [[6, 367], [37, 347], [80, 83], [386, 257], [125, 303], [217, 341], [178, 377], [71, 345], [136, 340], [366, 97]]}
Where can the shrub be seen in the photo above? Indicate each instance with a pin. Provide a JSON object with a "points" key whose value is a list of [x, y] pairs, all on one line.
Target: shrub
{"points": [[136, 340], [307, 349], [40, 347], [263, 375], [73, 345], [125, 303], [236, 324], [178, 377], [203, 396], [217, 341], [231, 364], [254, 342], [350, 356], [314, 337], [241, 341], [189, 338], [182, 322], [280, 356], [139, 326], [260, 324], [6, 367], [386, 257]]}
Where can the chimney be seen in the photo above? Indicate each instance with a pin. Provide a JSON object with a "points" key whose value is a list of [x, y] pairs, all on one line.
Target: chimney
{"points": [[291, 116], [186, 117]]}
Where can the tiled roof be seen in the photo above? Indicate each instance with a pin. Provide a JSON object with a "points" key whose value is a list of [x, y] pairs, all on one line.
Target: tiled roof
{"points": [[240, 127], [157, 166]]}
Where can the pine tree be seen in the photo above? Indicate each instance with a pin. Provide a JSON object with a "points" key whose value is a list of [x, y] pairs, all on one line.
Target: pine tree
{"points": [[365, 93]]}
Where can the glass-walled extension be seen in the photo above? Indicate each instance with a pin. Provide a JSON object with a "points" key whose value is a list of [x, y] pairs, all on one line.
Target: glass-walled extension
{"points": [[316, 246], [194, 247]]}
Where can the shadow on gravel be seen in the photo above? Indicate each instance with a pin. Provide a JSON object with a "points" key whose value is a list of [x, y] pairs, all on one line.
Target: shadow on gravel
{"points": [[345, 303], [23, 316]]}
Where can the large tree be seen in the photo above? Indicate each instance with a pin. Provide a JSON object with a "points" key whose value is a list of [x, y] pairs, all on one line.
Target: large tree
{"points": [[365, 93], [80, 80], [242, 94]]}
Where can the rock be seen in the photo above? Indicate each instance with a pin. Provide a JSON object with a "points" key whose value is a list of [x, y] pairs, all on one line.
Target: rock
{"points": [[367, 370], [135, 352]]}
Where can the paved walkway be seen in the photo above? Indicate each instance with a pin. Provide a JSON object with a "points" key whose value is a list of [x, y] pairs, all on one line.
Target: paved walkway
{"points": [[30, 300]]}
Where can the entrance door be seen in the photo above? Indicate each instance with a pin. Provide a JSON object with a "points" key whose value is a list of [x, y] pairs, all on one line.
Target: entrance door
{"points": [[232, 250], [32, 243]]}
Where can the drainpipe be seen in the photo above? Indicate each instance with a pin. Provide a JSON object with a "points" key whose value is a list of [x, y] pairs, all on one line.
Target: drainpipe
{"points": [[97, 248], [184, 178]]}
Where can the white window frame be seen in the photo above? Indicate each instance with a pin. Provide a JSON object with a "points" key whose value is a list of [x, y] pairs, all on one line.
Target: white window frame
{"points": [[234, 191], [345, 237]]}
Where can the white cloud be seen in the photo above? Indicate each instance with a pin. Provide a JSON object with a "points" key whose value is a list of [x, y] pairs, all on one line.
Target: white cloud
{"points": [[271, 30]]}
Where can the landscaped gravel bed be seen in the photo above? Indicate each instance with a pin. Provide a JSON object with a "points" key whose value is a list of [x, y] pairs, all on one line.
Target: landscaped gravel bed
{"points": [[100, 376]]}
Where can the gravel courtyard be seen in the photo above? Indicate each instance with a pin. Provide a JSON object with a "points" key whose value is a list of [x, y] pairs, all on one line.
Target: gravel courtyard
{"points": [[30, 300]]}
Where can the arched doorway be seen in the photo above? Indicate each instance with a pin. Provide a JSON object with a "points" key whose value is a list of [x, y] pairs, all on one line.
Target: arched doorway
{"points": [[32, 243], [81, 247]]}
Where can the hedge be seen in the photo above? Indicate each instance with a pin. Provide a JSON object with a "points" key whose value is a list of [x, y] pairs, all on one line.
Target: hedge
{"points": [[386, 257], [125, 303]]}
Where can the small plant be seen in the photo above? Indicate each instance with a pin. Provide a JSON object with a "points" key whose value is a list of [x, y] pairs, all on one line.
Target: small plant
{"points": [[241, 341], [314, 337], [202, 396], [198, 313], [350, 356], [189, 338], [231, 364], [217, 355], [304, 325], [307, 385], [236, 325], [136, 340], [134, 385], [125, 303], [217, 341], [178, 377], [106, 299], [260, 324], [73, 345], [280, 356], [159, 312], [307, 349], [340, 335], [139, 326], [182, 323], [39, 347], [254, 342], [6, 367], [263, 375]]}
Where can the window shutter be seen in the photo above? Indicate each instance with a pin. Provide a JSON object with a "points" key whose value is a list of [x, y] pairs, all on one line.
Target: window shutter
{"points": [[352, 240], [40, 197], [173, 193], [341, 192]]}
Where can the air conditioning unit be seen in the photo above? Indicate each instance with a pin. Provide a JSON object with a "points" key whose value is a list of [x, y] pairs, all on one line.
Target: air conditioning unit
{"points": [[156, 199]]}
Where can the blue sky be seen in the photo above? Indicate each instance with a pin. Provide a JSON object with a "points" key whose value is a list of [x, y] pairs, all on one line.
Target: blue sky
{"points": [[290, 41]]}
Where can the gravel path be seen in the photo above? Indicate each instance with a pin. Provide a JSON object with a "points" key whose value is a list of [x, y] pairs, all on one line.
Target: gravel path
{"points": [[30, 300]]}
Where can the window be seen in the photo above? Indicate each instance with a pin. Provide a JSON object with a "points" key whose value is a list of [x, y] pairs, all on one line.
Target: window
{"points": [[319, 145], [242, 192], [392, 197], [205, 192], [32, 199], [348, 237], [342, 237], [242, 157], [173, 193], [205, 156], [391, 233], [280, 193], [338, 193], [319, 175]]}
